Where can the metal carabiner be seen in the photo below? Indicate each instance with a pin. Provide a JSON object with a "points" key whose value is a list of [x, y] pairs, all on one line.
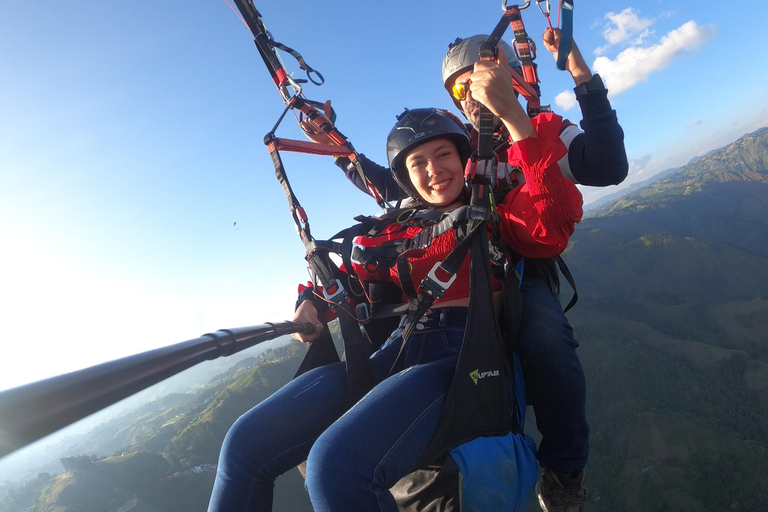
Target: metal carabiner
{"points": [[538, 4], [519, 7]]}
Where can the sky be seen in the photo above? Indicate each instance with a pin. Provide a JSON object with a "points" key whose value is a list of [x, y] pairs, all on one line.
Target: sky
{"points": [[138, 205]]}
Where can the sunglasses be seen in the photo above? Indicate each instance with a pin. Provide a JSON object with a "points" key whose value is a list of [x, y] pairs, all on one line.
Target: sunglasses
{"points": [[460, 90]]}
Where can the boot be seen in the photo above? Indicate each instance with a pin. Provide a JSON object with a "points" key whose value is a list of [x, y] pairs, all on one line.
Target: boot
{"points": [[561, 492]]}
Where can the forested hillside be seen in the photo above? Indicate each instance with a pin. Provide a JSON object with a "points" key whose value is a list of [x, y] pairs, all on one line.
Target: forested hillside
{"points": [[673, 316], [162, 456]]}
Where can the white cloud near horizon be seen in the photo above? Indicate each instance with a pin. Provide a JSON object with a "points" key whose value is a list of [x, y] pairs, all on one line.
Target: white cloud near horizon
{"points": [[635, 64], [639, 166]]}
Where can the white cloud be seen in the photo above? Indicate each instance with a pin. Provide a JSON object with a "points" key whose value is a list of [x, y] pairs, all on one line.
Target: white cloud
{"points": [[566, 100], [638, 166], [626, 25], [762, 122], [634, 64], [695, 124]]}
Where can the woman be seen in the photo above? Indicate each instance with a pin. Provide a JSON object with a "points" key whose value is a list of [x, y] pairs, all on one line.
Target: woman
{"points": [[354, 457]]}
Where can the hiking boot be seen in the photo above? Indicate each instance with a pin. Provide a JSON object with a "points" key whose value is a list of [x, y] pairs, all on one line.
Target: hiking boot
{"points": [[561, 492]]}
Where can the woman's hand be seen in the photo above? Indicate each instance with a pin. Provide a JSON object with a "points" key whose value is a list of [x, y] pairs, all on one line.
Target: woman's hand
{"points": [[307, 313]]}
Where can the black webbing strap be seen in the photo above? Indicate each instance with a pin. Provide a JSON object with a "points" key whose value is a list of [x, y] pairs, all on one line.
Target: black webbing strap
{"points": [[485, 150], [357, 351], [479, 401], [302, 63], [528, 86], [403, 267], [449, 221], [297, 212], [433, 287], [569, 278], [264, 44], [566, 11]]}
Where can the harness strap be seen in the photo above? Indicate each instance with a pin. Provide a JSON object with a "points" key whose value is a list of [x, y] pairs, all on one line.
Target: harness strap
{"points": [[450, 220], [433, 287], [566, 10], [569, 278], [357, 350], [302, 63], [526, 52], [479, 402], [310, 148], [297, 212], [528, 86], [404, 276], [432, 226]]}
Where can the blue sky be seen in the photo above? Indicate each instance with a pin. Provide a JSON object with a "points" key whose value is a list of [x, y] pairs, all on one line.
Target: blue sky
{"points": [[138, 205]]}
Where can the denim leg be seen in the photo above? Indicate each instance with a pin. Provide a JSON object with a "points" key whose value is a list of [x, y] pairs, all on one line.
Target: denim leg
{"points": [[354, 462], [554, 379], [274, 437]]}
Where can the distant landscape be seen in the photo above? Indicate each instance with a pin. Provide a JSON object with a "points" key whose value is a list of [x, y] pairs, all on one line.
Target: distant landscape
{"points": [[160, 456], [672, 318]]}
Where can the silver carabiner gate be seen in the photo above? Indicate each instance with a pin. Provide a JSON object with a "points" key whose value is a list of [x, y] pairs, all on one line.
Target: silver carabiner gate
{"points": [[519, 7], [545, 13]]}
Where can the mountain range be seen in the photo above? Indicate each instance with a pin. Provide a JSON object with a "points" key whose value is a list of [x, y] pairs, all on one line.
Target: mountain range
{"points": [[673, 320]]}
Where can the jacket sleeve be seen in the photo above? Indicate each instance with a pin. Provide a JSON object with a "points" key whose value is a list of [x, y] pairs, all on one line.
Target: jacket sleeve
{"points": [[597, 157], [380, 176], [538, 217]]}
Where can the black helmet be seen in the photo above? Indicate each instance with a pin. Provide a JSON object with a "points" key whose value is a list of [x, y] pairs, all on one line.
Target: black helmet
{"points": [[462, 55], [417, 126]]}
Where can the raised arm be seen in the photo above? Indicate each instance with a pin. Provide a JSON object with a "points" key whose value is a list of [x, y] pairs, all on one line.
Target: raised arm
{"points": [[538, 218], [597, 156]]}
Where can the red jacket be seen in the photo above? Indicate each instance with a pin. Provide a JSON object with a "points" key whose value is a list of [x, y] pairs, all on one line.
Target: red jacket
{"points": [[537, 217]]}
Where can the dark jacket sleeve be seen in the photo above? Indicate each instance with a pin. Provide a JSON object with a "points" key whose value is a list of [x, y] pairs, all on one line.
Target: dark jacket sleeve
{"points": [[380, 176], [597, 157]]}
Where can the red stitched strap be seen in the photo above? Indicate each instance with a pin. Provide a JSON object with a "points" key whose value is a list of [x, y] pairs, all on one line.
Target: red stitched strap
{"points": [[312, 148]]}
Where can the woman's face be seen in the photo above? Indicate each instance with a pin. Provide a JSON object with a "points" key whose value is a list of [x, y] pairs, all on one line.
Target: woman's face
{"points": [[436, 171]]}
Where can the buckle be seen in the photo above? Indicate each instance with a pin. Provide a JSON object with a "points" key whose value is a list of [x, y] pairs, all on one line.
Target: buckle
{"points": [[433, 285], [361, 250], [363, 313], [337, 297]]}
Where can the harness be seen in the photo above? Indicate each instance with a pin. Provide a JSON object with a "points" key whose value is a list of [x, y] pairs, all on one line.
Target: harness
{"points": [[474, 406]]}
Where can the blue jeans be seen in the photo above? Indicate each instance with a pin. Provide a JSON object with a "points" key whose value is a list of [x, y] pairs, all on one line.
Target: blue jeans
{"points": [[554, 379], [353, 458]]}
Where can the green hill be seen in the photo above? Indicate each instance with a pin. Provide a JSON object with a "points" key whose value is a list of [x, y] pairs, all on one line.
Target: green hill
{"points": [[673, 317]]}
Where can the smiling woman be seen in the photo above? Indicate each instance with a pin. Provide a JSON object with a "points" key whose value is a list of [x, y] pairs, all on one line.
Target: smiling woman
{"points": [[432, 171], [436, 172]]}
